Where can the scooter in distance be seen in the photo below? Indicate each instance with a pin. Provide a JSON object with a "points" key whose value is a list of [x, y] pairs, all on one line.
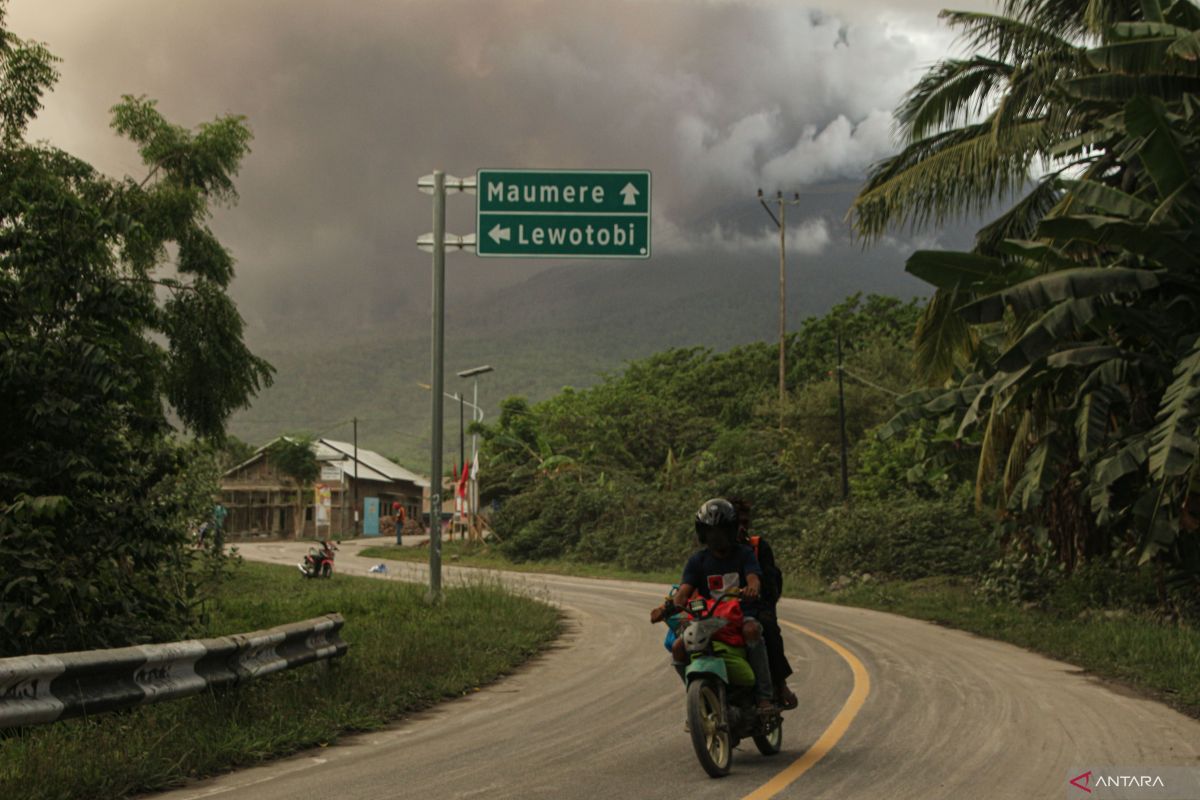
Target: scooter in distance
{"points": [[319, 561]]}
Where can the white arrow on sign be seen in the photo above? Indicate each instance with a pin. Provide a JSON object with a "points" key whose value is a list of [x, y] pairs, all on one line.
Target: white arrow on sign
{"points": [[630, 192], [499, 234]]}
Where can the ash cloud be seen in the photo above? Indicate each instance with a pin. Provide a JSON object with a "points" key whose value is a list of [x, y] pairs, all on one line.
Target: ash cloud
{"points": [[351, 103]]}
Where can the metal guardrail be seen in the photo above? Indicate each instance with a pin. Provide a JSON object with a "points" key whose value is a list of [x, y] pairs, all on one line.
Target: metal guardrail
{"points": [[40, 689]]}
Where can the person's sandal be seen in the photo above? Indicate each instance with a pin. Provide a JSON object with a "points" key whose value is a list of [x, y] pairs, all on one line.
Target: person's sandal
{"points": [[787, 699], [767, 709]]}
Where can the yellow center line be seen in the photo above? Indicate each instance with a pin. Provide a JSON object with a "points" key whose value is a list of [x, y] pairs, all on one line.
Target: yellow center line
{"points": [[836, 729]]}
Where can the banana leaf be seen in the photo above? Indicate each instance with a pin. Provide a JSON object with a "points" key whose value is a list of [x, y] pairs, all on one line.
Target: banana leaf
{"points": [[1159, 149], [1119, 89], [1174, 445], [1057, 287], [1062, 321], [1163, 246], [948, 269], [1109, 200]]}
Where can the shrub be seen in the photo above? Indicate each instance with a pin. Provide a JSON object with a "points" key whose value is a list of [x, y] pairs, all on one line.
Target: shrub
{"points": [[905, 539]]}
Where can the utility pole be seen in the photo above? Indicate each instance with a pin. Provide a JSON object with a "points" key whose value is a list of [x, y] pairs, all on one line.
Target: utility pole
{"points": [[356, 531], [436, 184], [781, 223], [842, 422]]}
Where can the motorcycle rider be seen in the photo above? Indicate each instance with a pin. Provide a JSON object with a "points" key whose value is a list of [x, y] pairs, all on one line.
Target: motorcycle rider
{"points": [[769, 619], [721, 565]]}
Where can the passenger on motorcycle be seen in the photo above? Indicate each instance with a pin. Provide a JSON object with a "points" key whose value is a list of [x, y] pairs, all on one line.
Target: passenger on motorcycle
{"points": [[769, 619], [722, 567]]}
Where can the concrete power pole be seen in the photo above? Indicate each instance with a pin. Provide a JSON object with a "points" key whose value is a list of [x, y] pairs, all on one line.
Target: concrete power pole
{"points": [[781, 223], [437, 185]]}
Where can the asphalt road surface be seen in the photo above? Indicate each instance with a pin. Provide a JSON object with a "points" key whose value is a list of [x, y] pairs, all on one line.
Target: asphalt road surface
{"points": [[889, 708]]}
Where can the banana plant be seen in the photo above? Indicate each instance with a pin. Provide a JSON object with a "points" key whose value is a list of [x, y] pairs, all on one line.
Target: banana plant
{"points": [[1066, 348]]}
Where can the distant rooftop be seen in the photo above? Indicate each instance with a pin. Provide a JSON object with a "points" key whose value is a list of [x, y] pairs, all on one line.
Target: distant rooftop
{"points": [[370, 465]]}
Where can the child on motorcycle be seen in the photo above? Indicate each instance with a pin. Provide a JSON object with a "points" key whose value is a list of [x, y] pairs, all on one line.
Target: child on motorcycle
{"points": [[724, 566]]}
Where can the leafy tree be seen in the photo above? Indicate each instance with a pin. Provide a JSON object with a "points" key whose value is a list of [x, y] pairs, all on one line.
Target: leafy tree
{"points": [[234, 451], [113, 313], [296, 459], [615, 472]]}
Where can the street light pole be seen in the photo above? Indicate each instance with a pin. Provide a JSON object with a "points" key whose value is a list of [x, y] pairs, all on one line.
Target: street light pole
{"points": [[477, 416], [781, 223]]}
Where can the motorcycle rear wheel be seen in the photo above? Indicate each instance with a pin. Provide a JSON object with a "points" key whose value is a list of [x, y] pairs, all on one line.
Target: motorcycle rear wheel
{"points": [[709, 727], [772, 742]]}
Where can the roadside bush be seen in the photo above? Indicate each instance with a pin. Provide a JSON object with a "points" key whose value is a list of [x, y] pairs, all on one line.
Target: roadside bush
{"points": [[904, 539], [597, 519], [1100, 584]]}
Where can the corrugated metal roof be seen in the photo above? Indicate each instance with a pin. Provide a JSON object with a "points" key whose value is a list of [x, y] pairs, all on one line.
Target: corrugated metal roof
{"points": [[365, 473], [371, 465], [374, 461]]}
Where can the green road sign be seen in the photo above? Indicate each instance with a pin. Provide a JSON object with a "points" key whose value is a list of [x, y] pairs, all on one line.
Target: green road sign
{"points": [[535, 213]]}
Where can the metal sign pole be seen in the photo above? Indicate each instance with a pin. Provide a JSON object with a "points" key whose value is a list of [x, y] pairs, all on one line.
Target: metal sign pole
{"points": [[439, 329]]}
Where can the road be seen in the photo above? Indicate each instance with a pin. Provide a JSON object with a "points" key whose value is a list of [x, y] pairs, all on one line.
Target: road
{"points": [[890, 708]]}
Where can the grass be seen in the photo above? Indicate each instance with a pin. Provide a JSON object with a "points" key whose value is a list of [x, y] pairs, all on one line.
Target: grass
{"points": [[1159, 659], [404, 656]]}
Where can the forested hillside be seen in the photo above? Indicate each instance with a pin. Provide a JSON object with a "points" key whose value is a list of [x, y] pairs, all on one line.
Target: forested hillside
{"points": [[614, 473]]}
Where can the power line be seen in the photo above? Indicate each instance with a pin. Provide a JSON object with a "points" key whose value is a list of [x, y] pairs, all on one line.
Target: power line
{"points": [[873, 385]]}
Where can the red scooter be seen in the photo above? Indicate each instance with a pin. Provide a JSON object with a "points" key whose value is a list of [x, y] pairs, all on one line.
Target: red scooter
{"points": [[319, 562]]}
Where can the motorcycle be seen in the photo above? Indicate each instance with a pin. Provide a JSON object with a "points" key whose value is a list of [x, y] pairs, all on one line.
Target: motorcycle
{"points": [[721, 705], [319, 561]]}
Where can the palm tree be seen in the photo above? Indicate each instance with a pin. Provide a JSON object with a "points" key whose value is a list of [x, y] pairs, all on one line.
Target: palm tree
{"points": [[1072, 332], [975, 130]]}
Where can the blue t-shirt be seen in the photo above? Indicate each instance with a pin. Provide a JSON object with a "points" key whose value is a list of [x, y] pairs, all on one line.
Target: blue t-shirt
{"points": [[712, 576]]}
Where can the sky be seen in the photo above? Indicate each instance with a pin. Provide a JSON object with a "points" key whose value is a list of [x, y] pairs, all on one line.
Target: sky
{"points": [[350, 103]]}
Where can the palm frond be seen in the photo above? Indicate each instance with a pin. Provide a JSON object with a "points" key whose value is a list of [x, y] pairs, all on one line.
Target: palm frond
{"points": [[1071, 18], [1005, 37], [951, 93], [1031, 91], [942, 341], [953, 174], [1020, 221]]}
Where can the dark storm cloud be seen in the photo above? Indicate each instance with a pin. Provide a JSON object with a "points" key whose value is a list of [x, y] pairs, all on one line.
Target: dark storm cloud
{"points": [[350, 103]]}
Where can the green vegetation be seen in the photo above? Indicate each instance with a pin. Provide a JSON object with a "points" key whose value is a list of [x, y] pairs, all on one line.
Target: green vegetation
{"points": [[295, 459], [1132, 647], [115, 319], [612, 474], [1062, 354], [404, 655]]}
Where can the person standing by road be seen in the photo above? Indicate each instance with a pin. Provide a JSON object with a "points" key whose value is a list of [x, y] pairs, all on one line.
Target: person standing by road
{"points": [[769, 619], [400, 518], [218, 527]]}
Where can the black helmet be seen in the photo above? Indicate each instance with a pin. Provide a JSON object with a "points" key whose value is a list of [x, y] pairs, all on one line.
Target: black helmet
{"points": [[716, 523]]}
